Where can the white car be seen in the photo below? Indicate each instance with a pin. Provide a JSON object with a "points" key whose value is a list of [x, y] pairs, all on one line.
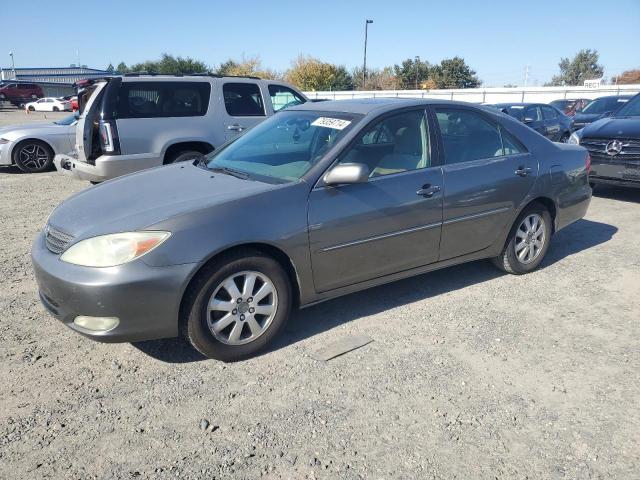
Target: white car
{"points": [[48, 104]]}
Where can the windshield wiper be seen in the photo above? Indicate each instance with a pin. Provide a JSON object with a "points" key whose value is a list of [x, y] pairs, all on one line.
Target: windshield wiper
{"points": [[232, 172]]}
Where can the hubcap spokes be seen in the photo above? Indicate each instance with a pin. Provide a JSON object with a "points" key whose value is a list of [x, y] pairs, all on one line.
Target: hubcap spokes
{"points": [[33, 156], [242, 307], [530, 238]]}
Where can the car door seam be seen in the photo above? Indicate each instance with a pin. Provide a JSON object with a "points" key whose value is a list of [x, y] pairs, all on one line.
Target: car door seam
{"points": [[473, 216]]}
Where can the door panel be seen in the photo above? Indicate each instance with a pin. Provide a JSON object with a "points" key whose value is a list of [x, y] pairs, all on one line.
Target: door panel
{"points": [[362, 231], [86, 128], [244, 107]]}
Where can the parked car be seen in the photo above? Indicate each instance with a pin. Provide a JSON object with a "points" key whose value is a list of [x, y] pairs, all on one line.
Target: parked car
{"points": [[31, 147], [135, 122], [570, 106], [320, 200], [48, 104], [599, 108], [614, 145], [73, 100], [544, 119], [20, 93]]}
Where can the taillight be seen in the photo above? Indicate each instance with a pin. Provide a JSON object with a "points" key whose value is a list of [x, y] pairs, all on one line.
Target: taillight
{"points": [[587, 163], [109, 137]]}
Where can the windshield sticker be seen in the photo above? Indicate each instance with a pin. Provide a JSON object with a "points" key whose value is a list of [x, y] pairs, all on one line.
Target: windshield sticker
{"points": [[335, 123]]}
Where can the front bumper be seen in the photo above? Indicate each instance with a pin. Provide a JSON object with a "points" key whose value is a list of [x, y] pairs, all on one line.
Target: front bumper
{"points": [[145, 299], [615, 172], [106, 167]]}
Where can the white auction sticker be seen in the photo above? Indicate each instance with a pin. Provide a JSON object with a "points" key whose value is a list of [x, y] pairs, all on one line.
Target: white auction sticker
{"points": [[335, 123]]}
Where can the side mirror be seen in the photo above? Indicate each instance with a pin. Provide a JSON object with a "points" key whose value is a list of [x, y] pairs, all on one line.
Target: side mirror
{"points": [[345, 173]]}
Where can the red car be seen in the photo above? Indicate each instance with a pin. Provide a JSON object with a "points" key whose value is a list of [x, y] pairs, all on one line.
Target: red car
{"points": [[20, 93], [570, 106]]}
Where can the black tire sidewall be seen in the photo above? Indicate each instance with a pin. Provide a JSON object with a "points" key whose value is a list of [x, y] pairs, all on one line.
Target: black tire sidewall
{"points": [[515, 265], [24, 168], [196, 329]]}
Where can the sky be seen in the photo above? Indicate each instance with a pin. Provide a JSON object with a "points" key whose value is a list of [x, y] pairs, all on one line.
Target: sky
{"points": [[498, 38]]}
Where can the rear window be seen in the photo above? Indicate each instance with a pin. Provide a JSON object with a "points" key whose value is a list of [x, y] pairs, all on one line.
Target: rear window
{"points": [[243, 100], [163, 99]]}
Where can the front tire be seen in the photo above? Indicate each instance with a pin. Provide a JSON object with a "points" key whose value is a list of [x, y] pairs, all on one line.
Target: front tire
{"points": [[528, 241], [236, 306], [33, 156], [32, 108]]}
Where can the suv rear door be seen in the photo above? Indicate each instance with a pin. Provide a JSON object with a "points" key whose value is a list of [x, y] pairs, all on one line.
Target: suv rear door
{"points": [[244, 106], [87, 126]]}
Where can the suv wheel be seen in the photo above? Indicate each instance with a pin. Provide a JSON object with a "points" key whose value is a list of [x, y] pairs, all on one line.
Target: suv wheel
{"points": [[33, 156], [528, 241], [183, 156], [236, 306]]}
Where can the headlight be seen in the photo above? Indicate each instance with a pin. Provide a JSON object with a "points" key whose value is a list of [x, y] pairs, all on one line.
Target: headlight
{"points": [[3, 141], [574, 138], [114, 249]]}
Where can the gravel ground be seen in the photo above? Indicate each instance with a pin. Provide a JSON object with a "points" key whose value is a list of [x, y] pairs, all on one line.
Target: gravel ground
{"points": [[471, 374]]}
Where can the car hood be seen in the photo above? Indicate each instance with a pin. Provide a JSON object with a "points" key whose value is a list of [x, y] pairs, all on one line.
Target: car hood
{"points": [[586, 117], [614, 127], [40, 127], [142, 199]]}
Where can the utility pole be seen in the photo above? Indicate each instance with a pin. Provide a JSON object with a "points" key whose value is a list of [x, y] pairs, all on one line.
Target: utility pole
{"points": [[417, 65], [364, 67], [526, 74]]}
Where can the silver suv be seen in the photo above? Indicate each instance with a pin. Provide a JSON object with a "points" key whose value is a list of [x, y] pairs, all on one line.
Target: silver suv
{"points": [[136, 122]]}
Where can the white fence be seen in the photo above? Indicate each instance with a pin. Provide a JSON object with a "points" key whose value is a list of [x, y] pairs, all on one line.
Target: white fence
{"points": [[488, 95]]}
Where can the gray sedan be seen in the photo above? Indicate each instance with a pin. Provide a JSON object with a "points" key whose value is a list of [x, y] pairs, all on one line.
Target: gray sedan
{"points": [[319, 201], [31, 147]]}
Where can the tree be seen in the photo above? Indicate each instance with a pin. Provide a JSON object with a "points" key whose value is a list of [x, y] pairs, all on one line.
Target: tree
{"points": [[110, 68], [454, 73], [627, 77], [247, 67], [411, 73], [168, 64], [377, 79], [584, 66], [310, 74], [122, 68]]}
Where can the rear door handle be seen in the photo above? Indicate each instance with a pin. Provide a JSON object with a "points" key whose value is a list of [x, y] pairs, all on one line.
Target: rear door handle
{"points": [[428, 190], [236, 127], [523, 171]]}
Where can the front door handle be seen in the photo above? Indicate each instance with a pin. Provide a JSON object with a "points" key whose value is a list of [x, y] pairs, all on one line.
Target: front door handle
{"points": [[428, 190], [236, 127], [523, 171]]}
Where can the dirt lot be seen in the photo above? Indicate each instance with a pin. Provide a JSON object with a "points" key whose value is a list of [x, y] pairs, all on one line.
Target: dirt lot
{"points": [[471, 374]]}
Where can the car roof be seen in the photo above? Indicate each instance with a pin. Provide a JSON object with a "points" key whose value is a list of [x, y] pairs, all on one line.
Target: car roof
{"points": [[517, 104], [365, 106]]}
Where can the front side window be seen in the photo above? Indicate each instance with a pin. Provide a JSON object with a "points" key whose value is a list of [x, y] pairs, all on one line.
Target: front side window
{"points": [[243, 100], [467, 136], [399, 143], [532, 114], [549, 112], [283, 97], [163, 99], [285, 146]]}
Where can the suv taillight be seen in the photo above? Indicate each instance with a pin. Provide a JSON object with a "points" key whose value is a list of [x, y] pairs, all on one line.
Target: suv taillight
{"points": [[587, 163], [109, 140]]}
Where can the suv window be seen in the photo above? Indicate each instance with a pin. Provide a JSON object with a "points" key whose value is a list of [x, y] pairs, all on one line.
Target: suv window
{"points": [[467, 136], [549, 112], [163, 99], [399, 143], [283, 97], [243, 100]]}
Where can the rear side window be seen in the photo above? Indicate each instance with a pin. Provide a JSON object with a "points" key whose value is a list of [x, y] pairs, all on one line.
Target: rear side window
{"points": [[163, 99], [283, 97], [532, 114], [467, 136], [549, 112], [243, 100]]}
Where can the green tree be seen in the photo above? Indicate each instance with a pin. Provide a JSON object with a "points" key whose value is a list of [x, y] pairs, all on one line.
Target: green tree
{"points": [[377, 79], [168, 64], [411, 73], [122, 68], [454, 73], [342, 79], [110, 68], [583, 66]]}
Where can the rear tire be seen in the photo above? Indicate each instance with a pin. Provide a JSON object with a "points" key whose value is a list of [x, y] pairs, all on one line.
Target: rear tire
{"points": [[211, 330], [528, 241], [184, 156], [32, 108], [56, 109], [33, 156]]}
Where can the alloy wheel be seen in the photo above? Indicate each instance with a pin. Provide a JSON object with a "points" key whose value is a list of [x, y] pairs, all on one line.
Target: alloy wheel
{"points": [[531, 236], [242, 308], [33, 156]]}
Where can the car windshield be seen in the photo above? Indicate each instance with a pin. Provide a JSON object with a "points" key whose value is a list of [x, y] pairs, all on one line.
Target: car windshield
{"points": [[285, 146], [604, 105], [631, 108], [66, 120], [516, 111]]}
